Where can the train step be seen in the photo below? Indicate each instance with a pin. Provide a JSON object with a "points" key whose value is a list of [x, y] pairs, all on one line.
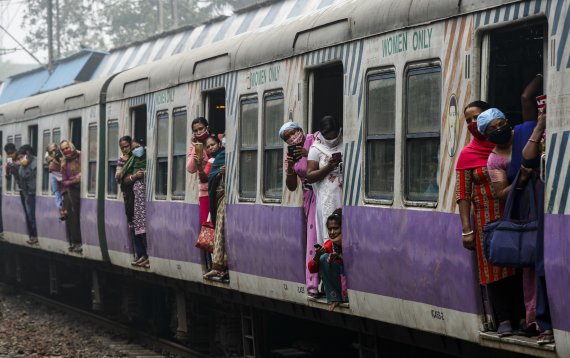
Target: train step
{"points": [[519, 344]]}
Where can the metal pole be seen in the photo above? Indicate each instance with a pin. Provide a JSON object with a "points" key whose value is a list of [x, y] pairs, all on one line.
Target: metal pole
{"points": [[50, 34]]}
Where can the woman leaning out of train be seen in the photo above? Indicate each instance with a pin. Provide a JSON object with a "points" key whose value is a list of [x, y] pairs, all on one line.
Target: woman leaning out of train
{"points": [[132, 176], [328, 262], [217, 199], [27, 182], [296, 167], [532, 155], [196, 161], [71, 192], [473, 191], [324, 172]]}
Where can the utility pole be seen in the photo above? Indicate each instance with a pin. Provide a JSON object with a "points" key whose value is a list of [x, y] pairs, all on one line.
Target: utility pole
{"points": [[50, 34], [160, 17], [174, 10], [57, 31]]}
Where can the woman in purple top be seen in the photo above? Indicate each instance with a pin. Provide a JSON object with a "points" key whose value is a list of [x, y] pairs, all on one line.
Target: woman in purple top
{"points": [[296, 166]]}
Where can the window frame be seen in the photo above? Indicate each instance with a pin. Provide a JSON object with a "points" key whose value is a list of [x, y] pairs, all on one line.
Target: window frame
{"points": [[379, 74], [270, 95], [172, 156], [44, 166], [429, 66], [251, 98], [108, 160], [90, 160], [161, 159]]}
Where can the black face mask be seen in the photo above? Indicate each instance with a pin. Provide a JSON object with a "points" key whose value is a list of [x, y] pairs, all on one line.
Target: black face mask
{"points": [[501, 135]]}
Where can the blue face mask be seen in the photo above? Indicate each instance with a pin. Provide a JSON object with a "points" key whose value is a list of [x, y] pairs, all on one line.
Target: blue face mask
{"points": [[138, 152]]}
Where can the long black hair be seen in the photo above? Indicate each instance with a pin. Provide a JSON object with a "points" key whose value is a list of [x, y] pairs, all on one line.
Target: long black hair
{"points": [[479, 104]]}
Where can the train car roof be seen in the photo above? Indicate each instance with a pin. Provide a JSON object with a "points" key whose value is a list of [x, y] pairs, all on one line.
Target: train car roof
{"points": [[342, 22], [69, 98]]}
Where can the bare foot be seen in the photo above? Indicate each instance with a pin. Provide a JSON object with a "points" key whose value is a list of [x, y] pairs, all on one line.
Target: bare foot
{"points": [[333, 306]]}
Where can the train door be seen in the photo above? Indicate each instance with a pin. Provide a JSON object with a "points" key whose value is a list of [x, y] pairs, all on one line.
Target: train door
{"points": [[513, 61], [75, 132], [138, 123], [326, 92], [216, 111]]}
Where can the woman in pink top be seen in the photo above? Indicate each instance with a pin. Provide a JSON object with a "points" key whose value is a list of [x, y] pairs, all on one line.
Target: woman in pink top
{"points": [[197, 158]]}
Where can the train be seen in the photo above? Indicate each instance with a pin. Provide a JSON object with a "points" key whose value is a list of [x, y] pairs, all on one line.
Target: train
{"points": [[399, 74]]}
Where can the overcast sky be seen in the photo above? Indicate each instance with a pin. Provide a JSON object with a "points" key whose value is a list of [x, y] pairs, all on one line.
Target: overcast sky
{"points": [[11, 13]]}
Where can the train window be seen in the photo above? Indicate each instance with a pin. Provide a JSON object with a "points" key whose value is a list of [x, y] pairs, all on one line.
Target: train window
{"points": [[423, 101], [33, 139], [75, 130], [248, 149], [274, 116], [138, 116], [112, 156], [161, 186], [215, 103], [92, 159], [179, 154], [380, 136], [46, 140], [56, 136], [18, 144]]}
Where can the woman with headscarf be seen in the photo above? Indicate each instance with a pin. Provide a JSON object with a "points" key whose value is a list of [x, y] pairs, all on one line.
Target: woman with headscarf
{"points": [[324, 172], [494, 126], [71, 191], [217, 198], [132, 175], [473, 190], [296, 167]]}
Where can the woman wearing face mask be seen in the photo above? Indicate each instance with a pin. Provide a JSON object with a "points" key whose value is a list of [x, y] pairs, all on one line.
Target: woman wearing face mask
{"points": [[132, 179], [296, 167], [324, 171], [197, 159], [71, 191], [473, 189]]}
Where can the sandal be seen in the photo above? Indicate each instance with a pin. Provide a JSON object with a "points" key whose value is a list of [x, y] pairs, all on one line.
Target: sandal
{"points": [[212, 273], [545, 337]]}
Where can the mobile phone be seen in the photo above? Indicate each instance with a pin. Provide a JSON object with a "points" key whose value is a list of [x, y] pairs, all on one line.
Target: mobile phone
{"points": [[317, 246], [291, 151], [337, 156], [199, 149]]}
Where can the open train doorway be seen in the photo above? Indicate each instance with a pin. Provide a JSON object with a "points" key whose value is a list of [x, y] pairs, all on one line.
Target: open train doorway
{"points": [[514, 61], [138, 123], [326, 94], [216, 110], [75, 132]]}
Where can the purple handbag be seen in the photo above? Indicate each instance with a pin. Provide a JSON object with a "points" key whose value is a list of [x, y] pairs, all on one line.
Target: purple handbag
{"points": [[512, 243]]}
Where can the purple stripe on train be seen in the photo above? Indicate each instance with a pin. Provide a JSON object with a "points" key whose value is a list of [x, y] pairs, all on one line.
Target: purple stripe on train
{"points": [[557, 258], [407, 254], [172, 230]]}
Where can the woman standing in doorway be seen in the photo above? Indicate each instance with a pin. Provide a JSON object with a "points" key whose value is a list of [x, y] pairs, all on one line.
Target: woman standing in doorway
{"points": [[71, 191]]}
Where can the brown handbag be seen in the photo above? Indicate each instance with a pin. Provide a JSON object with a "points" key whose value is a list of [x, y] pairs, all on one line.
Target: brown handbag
{"points": [[206, 238]]}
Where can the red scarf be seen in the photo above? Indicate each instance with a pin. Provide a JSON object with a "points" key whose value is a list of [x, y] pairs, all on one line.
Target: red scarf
{"points": [[475, 154]]}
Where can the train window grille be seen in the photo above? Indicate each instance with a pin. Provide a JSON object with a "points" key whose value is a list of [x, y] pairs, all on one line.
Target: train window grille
{"points": [[179, 154], [274, 115], [9, 181], [92, 159], [112, 156], [18, 144], [423, 101], [161, 183], [380, 136], [248, 149], [46, 140]]}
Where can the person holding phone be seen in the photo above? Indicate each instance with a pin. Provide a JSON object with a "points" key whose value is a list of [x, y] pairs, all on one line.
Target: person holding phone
{"points": [[298, 145], [197, 159], [324, 172], [328, 262]]}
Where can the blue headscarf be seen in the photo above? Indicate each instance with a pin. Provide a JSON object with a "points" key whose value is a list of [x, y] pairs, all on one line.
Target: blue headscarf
{"points": [[286, 126], [487, 117]]}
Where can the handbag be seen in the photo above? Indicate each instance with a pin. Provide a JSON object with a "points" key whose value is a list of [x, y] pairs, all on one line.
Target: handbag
{"points": [[509, 242], [206, 237]]}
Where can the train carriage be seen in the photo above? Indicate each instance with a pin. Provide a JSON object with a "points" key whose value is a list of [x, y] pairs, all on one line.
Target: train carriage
{"points": [[399, 74]]}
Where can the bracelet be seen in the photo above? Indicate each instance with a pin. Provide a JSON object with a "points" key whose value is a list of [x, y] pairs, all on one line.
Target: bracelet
{"points": [[131, 177], [533, 141], [467, 233]]}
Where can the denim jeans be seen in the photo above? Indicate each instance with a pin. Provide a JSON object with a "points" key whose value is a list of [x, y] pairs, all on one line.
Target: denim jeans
{"points": [[29, 203]]}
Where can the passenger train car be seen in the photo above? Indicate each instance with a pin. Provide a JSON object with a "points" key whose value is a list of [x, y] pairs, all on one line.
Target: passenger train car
{"points": [[399, 74]]}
